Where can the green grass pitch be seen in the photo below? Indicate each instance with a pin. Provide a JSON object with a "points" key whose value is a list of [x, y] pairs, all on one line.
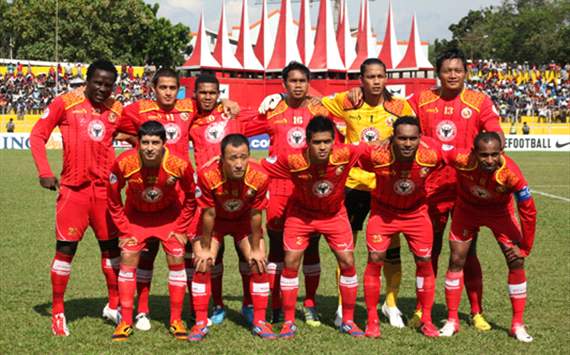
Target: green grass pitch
{"points": [[27, 238]]}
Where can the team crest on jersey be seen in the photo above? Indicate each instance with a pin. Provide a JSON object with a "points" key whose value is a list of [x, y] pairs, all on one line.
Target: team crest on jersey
{"points": [[152, 194], [446, 131], [322, 188], [112, 178], [215, 132], [296, 137], [45, 114], [233, 205], [184, 116], [480, 192], [369, 134], [339, 170], [404, 187], [96, 130], [466, 113], [172, 132]]}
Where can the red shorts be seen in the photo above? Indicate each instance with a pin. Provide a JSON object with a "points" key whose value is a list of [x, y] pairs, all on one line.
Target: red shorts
{"points": [[159, 225], [80, 207], [383, 225], [193, 228], [442, 193], [239, 230], [299, 228], [276, 211], [466, 222]]}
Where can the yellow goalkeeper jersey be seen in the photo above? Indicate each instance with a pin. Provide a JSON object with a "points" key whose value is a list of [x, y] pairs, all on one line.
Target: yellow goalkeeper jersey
{"points": [[366, 124]]}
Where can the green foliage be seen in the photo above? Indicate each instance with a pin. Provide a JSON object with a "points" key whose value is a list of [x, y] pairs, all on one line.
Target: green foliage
{"points": [[126, 31]]}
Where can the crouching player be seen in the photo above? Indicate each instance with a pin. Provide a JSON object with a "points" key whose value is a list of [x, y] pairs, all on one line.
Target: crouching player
{"points": [[486, 179], [399, 206], [232, 192], [152, 210], [319, 173]]}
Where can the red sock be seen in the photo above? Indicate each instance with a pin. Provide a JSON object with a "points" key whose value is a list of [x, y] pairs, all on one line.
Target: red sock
{"points": [[201, 289], [348, 285], [453, 290], [274, 271], [473, 277], [176, 290], [217, 278], [110, 261], [312, 272], [289, 290], [144, 279], [517, 293], [127, 286], [245, 274], [259, 288], [60, 271], [425, 288], [372, 284], [189, 266]]}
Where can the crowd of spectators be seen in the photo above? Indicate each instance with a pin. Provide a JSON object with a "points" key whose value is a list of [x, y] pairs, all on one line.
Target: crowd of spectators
{"points": [[524, 90], [22, 92]]}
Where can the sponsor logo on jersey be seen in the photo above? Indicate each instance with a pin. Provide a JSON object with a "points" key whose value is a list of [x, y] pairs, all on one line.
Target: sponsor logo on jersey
{"points": [[424, 171], [113, 178], [446, 131], [376, 238], [339, 170], [322, 188], [296, 137], [232, 205], [184, 116], [369, 134], [198, 192], [250, 192], [172, 132], [466, 113], [271, 159], [390, 120], [152, 194], [404, 187], [479, 192], [96, 130], [215, 132], [45, 114], [112, 117]]}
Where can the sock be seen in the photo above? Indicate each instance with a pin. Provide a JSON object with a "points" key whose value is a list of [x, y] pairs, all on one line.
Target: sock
{"points": [[245, 274], [144, 279], [473, 278], [348, 285], [259, 288], [289, 290], [176, 290], [517, 293], [312, 274], [110, 260], [201, 289], [372, 284], [393, 274], [60, 271], [189, 267], [274, 271], [425, 288], [127, 285], [217, 278], [453, 290]]}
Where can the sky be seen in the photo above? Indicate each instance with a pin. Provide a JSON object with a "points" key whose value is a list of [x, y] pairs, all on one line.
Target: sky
{"points": [[433, 16]]}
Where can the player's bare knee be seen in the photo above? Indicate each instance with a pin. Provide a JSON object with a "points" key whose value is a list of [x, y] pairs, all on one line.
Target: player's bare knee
{"points": [[174, 260], [292, 259], [516, 263], [422, 259], [345, 259], [130, 258], [376, 257], [456, 261]]}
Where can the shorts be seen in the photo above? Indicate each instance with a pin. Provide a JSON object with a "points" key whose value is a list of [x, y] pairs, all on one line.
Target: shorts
{"points": [[299, 228], [466, 222], [441, 194], [276, 212], [357, 203], [239, 230], [384, 225], [147, 225], [80, 207]]}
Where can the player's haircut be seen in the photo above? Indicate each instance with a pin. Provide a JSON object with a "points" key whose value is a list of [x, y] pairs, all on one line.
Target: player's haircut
{"points": [[206, 78], [486, 137], [152, 128], [375, 61], [165, 72], [453, 53], [235, 140], [409, 120], [293, 65], [101, 64], [319, 124]]}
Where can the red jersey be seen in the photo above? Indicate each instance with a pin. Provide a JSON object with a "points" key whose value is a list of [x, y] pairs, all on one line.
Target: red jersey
{"points": [[232, 199], [400, 186], [151, 189], [176, 122], [87, 131], [209, 128], [319, 188]]}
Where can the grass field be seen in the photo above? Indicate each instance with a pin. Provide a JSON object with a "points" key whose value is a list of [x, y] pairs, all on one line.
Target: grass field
{"points": [[28, 246]]}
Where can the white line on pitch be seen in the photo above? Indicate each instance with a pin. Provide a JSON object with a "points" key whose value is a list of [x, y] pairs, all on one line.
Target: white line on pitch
{"points": [[551, 196]]}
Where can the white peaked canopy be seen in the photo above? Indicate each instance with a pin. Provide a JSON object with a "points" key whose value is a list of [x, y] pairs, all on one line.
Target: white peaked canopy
{"points": [[390, 52], [285, 43], [223, 52], [201, 56], [326, 56], [415, 58], [365, 46], [305, 40], [346, 46], [244, 51]]}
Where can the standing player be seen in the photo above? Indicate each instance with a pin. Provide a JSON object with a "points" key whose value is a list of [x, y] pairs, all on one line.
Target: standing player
{"points": [[318, 173], [487, 179], [154, 179], [88, 121], [399, 206], [232, 194]]}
